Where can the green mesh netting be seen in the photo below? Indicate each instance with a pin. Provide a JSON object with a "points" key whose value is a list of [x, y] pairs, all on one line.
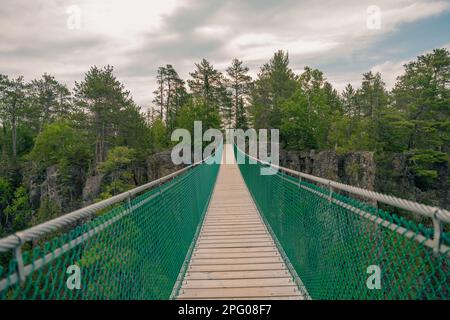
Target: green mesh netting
{"points": [[331, 247], [137, 256]]}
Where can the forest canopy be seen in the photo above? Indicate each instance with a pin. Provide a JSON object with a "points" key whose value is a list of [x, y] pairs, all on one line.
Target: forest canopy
{"points": [[97, 129]]}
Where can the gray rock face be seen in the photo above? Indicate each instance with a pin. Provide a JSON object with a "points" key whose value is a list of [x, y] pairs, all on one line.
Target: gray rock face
{"points": [[390, 175], [71, 189], [358, 169], [394, 176], [92, 188], [354, 168], [64, 190], [160, 165], [49, 187]]}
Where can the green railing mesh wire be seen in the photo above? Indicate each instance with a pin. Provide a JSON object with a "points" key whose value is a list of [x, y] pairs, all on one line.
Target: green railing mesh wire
{"points": [[138, 255], [331, 247]]}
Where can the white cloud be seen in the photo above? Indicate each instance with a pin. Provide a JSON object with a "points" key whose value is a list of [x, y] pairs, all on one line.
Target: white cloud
{"points": [[136, 36], [390, 70]]}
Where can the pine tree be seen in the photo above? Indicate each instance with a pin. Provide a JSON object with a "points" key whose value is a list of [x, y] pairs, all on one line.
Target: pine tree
{"points": [[276, 82], [350, 107], [208, 85], [103, 97], [49, 100], [176, 96], [170, 95], [13, 106], [239, 81], [159, 92]]}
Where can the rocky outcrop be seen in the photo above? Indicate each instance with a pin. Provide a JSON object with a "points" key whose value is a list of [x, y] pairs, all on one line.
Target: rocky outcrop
{"points": [[395, 176], [354, 168], [62, 189], [156, 166], [92, 188], [160, 165], [70, 189], [390, 173], [49, 188]]}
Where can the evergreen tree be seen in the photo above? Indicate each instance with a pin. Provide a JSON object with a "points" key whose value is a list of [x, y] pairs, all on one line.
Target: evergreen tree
{"points": [[103, 97], [176, 96], [13, 106], [372, 96], [159, 92], [239, 81], [349, 103], [276, 82], [170, 95], [49, 100], [208, 87], [423, 94]]}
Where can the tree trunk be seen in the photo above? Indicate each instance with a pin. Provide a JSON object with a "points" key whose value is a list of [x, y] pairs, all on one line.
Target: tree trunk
{"points": [[168, 104], [14, 133]]}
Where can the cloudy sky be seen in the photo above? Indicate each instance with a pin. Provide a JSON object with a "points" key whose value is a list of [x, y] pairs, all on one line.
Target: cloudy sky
{"points": [[342, 37]]}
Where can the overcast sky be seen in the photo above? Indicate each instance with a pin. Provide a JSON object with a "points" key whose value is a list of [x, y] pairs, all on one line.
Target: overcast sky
{"points": [[137, 36]]}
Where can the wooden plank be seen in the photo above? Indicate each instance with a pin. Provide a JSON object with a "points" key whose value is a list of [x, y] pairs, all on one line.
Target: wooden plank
{"points": [[237, 217], [253, 274], [232, 250], [236, 221], [297, 297], [238, 267], [235, 233], [241, 236], [239, 292], [218, 232], [237, 283], [220, 227], [196, 262], [265, 239], [237, 245], [231, 255], [234, 224]]}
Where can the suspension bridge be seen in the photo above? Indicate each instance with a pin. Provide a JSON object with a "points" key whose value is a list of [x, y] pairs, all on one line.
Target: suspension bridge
{"points": [[224, 231]]}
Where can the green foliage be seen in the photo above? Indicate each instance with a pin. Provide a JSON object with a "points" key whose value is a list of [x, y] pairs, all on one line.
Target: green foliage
{"points": [[132, 131], [6, 196], [13, 107], [423, 94], [119, 158], [198, 111], [424, 165], [159, 135], [276, 82], [209, 87], [118, 166], [48, 210], [18, 213], [104, 98], [169, 96], [61, 144], [49, 101], [297, 126], [239, 84]]}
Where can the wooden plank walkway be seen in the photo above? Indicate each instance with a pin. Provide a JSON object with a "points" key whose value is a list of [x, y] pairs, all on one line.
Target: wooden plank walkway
{"points": [[235, 256]]}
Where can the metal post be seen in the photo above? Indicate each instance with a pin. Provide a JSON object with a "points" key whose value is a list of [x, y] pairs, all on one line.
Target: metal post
{"points": [[130, 208], [330, 196], [19, 260], [437, 233]]}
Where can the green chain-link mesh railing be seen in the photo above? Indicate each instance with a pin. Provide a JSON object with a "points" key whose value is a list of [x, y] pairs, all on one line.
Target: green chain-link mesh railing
{"points": [[138, 256], [331, 247]]}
